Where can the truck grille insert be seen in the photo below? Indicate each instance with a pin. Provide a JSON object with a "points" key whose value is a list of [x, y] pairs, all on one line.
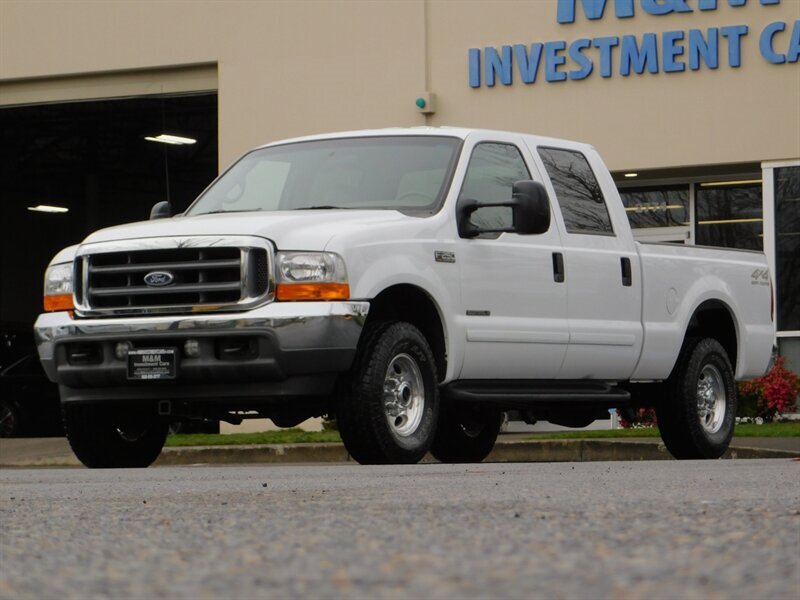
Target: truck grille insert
{"points": [[183, 278]]}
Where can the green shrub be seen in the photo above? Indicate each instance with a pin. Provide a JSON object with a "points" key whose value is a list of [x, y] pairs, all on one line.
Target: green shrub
{"points": [[329, 423]]}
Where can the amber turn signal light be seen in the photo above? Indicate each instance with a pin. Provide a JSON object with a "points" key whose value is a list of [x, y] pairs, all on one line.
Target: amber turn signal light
{"points": [[312, 291], [56, 302]]}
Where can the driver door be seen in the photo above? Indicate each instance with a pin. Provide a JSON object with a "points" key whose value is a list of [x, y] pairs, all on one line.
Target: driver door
{"points": [[515, 309]]}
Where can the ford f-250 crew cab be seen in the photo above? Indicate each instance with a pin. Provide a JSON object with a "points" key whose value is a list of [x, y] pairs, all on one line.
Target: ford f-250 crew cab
{"points": [[414, 283]]}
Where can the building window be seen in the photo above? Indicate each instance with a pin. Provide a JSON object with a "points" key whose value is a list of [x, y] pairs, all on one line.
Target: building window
{"points": [[582, 203], [665, 206], [729, 214], [787, 247]]}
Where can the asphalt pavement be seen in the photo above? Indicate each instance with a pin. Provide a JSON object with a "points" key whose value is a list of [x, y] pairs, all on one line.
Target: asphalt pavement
{"points": [[619, 530]]}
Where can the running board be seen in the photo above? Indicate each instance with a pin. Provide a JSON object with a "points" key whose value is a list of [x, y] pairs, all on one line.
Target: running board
{"points": [[531, 392]]}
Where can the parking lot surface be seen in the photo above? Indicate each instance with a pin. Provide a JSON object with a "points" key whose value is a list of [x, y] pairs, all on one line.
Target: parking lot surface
{"points": [[661, 529]]}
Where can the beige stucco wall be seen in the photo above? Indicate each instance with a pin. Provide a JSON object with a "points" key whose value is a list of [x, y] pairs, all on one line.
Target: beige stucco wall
{"points": [[298, 67]]}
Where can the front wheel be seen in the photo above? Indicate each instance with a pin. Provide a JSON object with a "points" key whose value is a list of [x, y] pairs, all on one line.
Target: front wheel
{"points": [[388, 406], [466, 434], [697, 415], [108, 437], [10, 419]]}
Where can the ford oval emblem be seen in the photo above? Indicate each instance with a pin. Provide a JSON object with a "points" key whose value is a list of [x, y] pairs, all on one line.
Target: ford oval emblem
{"points": [[159, 278]]}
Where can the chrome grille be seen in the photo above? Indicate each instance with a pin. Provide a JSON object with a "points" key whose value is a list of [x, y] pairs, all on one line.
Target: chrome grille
{"points": [[192, 278]]}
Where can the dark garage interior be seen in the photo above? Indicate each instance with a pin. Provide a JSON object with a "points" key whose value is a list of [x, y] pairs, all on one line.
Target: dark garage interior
{"points": [[92, 158]]}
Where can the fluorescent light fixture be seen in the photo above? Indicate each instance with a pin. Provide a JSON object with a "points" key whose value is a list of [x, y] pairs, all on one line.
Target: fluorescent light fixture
{"points": [[631, 174], [166, 138], [652, 207], [726, 221], [721, 183], [48, 209]]}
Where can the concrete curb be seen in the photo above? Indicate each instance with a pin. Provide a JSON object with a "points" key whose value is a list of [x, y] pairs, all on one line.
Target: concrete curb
{"points": [[580, 450], [504, 451]]}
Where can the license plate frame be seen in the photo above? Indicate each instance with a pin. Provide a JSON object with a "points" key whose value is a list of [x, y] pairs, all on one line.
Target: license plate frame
{"points": [[152, 364]]}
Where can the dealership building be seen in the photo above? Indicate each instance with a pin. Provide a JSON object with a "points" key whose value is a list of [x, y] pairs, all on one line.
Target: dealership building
{"points": [[694, 104]]}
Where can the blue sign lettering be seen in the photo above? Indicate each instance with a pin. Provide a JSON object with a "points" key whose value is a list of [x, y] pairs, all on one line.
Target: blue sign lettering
{"points": [[667, 52], [553, 59], [474, 67], [672, 51], [765, 43], [580, 59], [665, 7], [593, 9], [705, 48], [497, 64], [528, 64], [632, 55], [793, 55], [734, 34], [605, 44], [623, 9]]}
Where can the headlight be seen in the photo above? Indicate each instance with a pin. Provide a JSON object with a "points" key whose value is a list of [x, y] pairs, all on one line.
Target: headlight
{"points": [[311, 276], [58, 288]]}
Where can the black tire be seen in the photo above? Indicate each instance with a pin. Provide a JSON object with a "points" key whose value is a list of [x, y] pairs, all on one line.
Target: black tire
{"points": [[697, 414], [400, 430], [10, 419], [466, 434], [112, 437]]}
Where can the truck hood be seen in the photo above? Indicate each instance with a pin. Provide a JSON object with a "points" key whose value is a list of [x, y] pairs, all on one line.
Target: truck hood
{"points": [[289, 230]]}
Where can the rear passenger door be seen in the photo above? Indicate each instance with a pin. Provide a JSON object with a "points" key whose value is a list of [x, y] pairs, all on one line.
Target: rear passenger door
{"points": [[601, 269], [515, 315]]}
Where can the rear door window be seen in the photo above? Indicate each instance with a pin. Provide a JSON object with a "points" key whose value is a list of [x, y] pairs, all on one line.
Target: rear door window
{"points": [[583, 206]]}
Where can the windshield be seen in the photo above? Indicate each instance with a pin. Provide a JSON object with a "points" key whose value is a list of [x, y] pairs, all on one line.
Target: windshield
{"points": [[407, 173]]}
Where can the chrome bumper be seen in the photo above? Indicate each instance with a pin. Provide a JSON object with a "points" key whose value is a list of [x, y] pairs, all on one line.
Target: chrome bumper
{"points": [[294, 327]]}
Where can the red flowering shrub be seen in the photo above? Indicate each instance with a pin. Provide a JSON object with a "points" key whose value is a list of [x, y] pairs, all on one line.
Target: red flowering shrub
{"points": [[637, 417], [773, 394]]}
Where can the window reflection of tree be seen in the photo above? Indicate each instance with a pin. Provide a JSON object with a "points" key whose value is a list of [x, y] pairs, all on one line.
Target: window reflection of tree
{"points": [[493, 169], [578, 193], [716, 205]]}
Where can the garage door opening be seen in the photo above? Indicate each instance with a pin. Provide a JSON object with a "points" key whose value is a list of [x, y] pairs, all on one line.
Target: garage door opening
{"points": [[71, 168]]}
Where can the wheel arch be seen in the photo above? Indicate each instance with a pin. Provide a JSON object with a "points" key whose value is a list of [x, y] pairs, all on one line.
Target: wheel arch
{"points": [[411, 303], [715, 319]]}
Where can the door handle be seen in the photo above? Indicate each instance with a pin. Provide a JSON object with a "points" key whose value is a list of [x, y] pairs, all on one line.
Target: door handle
{"points": [[558, 267], [627, 278]]}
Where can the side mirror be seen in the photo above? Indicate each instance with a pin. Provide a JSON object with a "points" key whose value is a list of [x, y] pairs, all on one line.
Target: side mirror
{"points": [[161, 210], [529, 205], [532, 212]]}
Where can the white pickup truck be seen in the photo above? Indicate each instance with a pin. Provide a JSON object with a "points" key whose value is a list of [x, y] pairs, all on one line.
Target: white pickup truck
{"points": [[415, 283]]}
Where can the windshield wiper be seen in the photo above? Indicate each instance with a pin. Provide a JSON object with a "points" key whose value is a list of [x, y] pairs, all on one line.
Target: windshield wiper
{"points": [[221, 211], [321, 207]]}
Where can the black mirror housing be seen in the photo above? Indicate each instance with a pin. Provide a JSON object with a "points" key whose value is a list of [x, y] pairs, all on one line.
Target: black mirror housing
{"points": [[530, 208], [161, 210]]}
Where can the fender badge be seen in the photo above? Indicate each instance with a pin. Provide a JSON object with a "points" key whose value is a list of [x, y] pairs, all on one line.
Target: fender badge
{"points": [[444, 257]]}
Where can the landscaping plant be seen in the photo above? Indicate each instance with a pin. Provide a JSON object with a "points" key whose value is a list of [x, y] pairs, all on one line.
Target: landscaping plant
{"points": [[773, 394]]}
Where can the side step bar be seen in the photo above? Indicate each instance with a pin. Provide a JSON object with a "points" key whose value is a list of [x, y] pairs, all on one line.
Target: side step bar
{"points": [[530, 392]]}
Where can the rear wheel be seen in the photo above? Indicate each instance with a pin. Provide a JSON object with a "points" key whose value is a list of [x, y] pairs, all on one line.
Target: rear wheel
{"points": [[697, 415], [388, 406], [466, 434], [107, 437]]}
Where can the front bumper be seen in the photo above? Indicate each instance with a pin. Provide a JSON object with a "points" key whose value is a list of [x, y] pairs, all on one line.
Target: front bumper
{"points": [[287, 349]]}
